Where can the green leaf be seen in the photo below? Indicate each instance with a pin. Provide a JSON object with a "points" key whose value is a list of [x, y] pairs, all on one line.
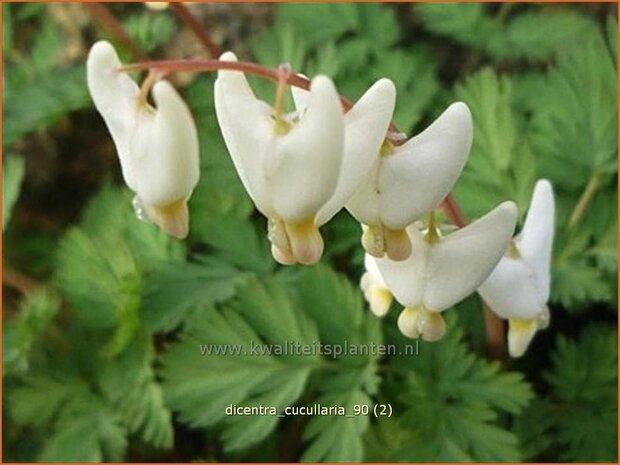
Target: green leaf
{"points": [[464, 22], [532, 34], [43, 395], [175, 290], [13, 170], [319, 22], [349, 384], [47, 44], [452, 402], [283, 43], [501, 164], [220, 192], [379, 25], [87, 432], [237, 241], [129, 383], [575, 120], [35, 313], [576, 278], [33, 105], [414, 72], [539, 34], [149, 29], [338, 310], [215, 365], [533, 428], [91, 274], [584, 379], [335, 305], [489, 98], [612, 38], [101, 265]]}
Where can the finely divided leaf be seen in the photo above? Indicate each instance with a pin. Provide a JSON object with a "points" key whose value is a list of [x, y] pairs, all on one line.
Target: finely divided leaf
{"points": [[13, 170]]}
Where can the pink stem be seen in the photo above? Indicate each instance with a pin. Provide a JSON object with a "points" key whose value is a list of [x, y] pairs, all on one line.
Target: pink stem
{"points": [[102, 15], [198, 29]]}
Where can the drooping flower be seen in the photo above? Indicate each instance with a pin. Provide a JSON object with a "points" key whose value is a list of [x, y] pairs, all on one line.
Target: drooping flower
{"points": [[157, 147], [300, 168], [441, 271], [410, 180], [518, 289], [376, 292]]}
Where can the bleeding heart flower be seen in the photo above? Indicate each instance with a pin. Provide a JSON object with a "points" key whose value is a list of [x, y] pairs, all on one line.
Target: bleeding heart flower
{"points": [[442, 271], [376, 292], [300, 168], [410, 180], [518, 289], [157, 147]]}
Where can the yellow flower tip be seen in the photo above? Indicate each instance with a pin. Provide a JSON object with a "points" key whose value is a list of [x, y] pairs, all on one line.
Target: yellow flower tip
{"points": [[276, 233], [408, 322], [520, 335], [283, 257], [513, 250], [305, 241], [380, 301], [432, 326], [387, 148], [173, 218], [397, 244], [373, 240], [282, 127], [419, 322]]}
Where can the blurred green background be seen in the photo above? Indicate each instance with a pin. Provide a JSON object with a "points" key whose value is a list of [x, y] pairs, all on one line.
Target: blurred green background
{"points": [[103, 315]]}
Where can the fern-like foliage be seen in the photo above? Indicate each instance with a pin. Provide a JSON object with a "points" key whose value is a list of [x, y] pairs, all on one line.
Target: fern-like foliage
{"points": [[453, 407], [12, 175]]}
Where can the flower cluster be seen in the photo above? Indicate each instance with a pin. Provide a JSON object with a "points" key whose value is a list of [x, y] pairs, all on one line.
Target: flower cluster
{"points": [[303, 167]]}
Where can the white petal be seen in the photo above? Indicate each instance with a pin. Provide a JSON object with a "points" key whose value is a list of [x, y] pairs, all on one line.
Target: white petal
{"points": [[419, 174], [247, 129], [366, 124], [406, 279], [460, 262], [365, 203], [372, 268], [115, 96], [169, 168], [302, 167], [114, 93], [408, 323], [511, 290], [536, 238]]}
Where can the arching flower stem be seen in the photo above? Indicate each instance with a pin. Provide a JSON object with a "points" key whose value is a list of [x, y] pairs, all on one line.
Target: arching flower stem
{"points": [[146, 86], [284, 72]]}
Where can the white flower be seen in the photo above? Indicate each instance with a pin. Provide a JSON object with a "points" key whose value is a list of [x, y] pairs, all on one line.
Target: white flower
{"points": [[441, 271], [376, 292], [518, 289], [157, 147], [410, 180], [300, 168]]}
